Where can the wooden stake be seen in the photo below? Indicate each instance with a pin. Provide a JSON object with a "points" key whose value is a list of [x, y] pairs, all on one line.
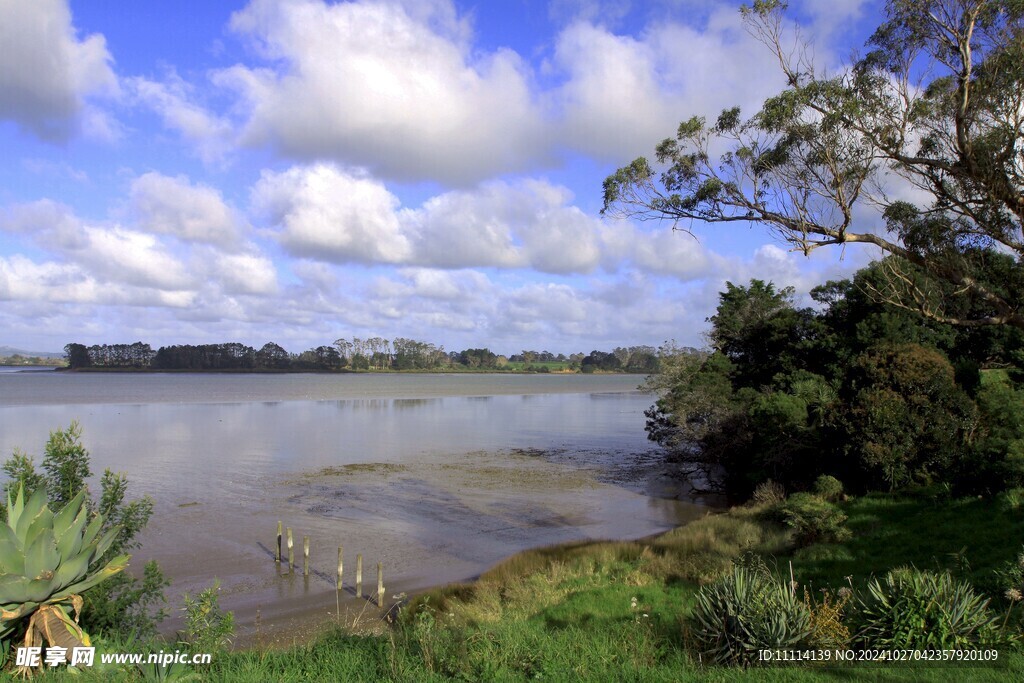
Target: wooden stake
{"points": [[305, 555], [338, 581], [359, 576], [380, 584], [291, 551], [278, 559]]}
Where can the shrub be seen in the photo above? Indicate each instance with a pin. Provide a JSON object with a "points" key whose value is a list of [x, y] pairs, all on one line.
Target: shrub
{"points": [[1011, 578], [913, 609], [1012, 500], [768, 493], [746, 611], [123, 604], [814, 520], [208, 628], [828, 487], [827, 628], [905, 419]]}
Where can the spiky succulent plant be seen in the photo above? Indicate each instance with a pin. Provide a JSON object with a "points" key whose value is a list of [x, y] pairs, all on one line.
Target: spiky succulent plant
{"points": [[47, 560]]}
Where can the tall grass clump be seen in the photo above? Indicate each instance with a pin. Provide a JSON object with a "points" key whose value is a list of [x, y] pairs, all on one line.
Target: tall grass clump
{"points": [[747, 611], [914, 609]]}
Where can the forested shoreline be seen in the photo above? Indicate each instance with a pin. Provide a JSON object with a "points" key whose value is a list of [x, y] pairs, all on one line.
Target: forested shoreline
{"points": [[355, 355]]}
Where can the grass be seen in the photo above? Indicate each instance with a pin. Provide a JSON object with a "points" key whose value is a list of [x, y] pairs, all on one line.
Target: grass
{"points": [[617, 610]]}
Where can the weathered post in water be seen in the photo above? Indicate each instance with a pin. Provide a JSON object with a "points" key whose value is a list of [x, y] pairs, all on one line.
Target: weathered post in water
{"points": [[380, 584], [359, 576], [305, 555], [291, 551], [338, 582], [278, 559]]}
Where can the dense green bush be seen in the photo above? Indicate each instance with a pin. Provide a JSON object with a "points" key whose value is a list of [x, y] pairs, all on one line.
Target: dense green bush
{"points": [[814, 519], [746, 611], [905, 420], [914, 609], [828, 488]]}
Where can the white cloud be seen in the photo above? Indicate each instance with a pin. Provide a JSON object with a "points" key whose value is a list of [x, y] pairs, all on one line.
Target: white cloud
{"points": [[625, 93], [47, 73], [327, 213], [24, 280], [172, 100], [108, 253], [250, 273], [332, 215], [380, 85], [193, 213]]}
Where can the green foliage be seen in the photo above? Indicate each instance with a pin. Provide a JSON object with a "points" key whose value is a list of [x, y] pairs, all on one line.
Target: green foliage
{"points": [[914, 609], [1011, 579], [122, 604], [814, 519], [828, 488], [1012, 500], [998, 453], [745, 612], [66, 464], [905, 420], [49, 559], [208, 628], [21, 475]]}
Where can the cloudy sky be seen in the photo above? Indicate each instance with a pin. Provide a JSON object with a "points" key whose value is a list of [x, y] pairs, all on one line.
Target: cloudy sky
{"points": [[191, 171]]}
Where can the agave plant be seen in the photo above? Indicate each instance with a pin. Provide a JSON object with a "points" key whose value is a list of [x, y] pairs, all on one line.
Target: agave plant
{"points": [[46, 563]]}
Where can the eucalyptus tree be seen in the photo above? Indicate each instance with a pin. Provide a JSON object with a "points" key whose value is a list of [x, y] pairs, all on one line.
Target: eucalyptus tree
{"points": [[937, 101]]}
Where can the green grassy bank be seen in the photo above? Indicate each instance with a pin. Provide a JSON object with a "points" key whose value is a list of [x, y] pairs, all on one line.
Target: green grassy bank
{"points": [[619, 611]]}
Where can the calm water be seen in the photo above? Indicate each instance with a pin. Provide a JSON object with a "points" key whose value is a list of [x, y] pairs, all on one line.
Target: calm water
{"points": [[437, 476]]}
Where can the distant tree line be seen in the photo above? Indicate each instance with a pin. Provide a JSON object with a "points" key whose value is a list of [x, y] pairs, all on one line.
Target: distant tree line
{"points": [[374, 353], [227, 356]]}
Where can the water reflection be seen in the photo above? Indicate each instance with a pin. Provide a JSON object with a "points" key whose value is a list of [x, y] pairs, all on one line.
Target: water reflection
{"points": [[438, 487]]}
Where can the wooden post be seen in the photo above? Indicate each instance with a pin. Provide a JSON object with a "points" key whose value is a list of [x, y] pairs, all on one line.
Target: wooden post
{"points": [[291, 551], [359, 576], [380, 584], [305, 555], [338, 581], [278, 560]]}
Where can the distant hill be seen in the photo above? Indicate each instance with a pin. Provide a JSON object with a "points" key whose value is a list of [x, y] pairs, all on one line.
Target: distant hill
{"points": [[10, 351]]}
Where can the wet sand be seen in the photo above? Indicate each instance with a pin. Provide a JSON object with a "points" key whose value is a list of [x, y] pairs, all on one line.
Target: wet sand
{"points": [[437, 477], [430, 523]]}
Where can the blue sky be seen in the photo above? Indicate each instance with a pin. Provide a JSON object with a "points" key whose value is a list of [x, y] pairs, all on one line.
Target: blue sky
{"points": [[297, 171]]}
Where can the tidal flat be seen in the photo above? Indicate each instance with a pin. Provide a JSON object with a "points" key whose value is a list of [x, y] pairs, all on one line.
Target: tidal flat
{"points": [[436, 477]]}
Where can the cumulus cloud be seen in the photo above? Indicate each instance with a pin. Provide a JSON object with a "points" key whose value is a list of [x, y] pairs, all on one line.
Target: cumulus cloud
{"points": [[47, 73], [109, 253], [385, 86], [174, 101], [174, 206], [332, 215], [114, 264]]}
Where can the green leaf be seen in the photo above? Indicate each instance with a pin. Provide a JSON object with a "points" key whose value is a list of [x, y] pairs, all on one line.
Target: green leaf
{"points": [[116, 565], [12, 589], [64, 519], [42, 525], [28, 514], [69, 543], [73, 570], [15, 504], [92, 531], [108, 539], [41, 558], [12, 558]]}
